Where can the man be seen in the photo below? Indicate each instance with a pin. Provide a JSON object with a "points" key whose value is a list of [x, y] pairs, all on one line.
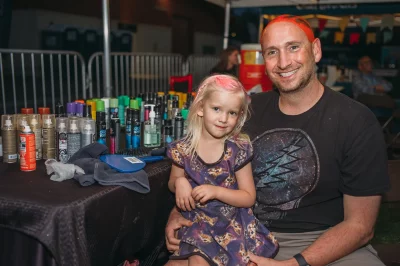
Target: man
{"points": [[366, 82], [320, 163]]}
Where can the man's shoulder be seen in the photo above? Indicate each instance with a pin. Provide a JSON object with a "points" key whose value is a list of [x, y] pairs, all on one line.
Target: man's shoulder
{"points": [[348, 108]]}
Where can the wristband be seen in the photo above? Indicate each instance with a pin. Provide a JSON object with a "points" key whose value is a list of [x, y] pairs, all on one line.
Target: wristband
{"points": [[301, 260]]}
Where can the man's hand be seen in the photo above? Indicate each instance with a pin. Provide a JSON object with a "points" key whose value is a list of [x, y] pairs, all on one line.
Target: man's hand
{"points": [[183, 194], [261, 261], [205, 193], [175, 222]]}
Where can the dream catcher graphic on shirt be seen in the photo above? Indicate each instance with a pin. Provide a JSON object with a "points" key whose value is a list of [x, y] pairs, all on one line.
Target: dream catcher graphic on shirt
{"points": [[286, 168]]}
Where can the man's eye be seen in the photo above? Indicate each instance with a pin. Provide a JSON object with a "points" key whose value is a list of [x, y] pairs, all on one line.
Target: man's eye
{"points": [[294, 47], [269, 53]]}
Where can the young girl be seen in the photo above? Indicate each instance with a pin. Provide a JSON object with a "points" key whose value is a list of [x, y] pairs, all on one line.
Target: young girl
{"points": [[212, 178]]}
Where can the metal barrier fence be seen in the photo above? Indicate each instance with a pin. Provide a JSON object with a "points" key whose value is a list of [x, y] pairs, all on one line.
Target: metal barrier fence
{"points": [[34, 78], [44, 76], [200, 67], [133, 73]]}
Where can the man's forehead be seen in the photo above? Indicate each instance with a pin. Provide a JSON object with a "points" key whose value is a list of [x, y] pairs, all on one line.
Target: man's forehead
{"points": [[272, 34]]}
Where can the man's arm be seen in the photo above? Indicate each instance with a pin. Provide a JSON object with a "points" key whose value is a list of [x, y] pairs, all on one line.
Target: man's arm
{"points": [[355, 231], [383, 85], [175, 222]]}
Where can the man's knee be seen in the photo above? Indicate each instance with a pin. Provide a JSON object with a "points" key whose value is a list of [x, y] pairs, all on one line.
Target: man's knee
{"points": [[366, 256]]}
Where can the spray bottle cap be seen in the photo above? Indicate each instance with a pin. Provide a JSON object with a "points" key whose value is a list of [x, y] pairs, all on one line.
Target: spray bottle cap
{"points": [[185, 113], [100, 106], [26, 129], [113, 102], [73, 125], [34, 122], [106, 102]]}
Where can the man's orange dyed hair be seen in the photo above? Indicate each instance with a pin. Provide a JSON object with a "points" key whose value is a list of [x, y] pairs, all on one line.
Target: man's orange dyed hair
{"points": [[298, 21]]}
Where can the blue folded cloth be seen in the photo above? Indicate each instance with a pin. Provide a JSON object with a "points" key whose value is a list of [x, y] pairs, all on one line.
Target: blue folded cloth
{"points": [[87, 158]]}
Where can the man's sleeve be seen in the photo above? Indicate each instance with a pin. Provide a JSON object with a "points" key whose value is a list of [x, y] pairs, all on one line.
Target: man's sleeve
{"points": [[364, 166], [387, 86]]}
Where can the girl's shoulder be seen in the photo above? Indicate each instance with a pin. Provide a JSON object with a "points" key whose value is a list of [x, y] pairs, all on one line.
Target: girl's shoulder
{"points": [[242, 142], [181, 145]]}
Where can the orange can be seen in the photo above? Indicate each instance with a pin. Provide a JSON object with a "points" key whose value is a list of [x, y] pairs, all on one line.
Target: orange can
{"points": [[27, 150]]}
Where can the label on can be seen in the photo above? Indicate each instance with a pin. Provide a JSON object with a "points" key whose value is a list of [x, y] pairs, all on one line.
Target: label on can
{"points": [[62, 147], [27, 152]]}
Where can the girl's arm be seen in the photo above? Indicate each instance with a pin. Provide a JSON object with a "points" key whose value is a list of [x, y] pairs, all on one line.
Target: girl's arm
{"points": [[176, 172], [179, 185], [244, 197]]}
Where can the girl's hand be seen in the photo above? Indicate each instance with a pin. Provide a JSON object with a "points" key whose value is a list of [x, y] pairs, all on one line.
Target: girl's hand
{"points": [[205, 193], [183, 194]]}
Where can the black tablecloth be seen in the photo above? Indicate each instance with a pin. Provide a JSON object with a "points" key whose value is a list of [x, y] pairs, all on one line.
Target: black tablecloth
{"points": [[95, 225]]}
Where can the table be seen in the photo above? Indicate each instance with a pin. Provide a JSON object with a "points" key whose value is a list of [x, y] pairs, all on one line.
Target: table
{"points": [[79, 226]]}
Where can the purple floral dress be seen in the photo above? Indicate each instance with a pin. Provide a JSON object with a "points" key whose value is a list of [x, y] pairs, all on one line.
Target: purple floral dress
{"points": [[221, 234]]}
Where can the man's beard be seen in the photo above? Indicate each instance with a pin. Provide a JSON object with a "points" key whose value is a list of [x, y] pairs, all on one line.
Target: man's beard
{"points": [[304, 81]]}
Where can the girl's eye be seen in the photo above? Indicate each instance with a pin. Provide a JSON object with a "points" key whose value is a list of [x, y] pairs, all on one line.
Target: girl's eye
{"points": [[215, 108], [233, 113]]}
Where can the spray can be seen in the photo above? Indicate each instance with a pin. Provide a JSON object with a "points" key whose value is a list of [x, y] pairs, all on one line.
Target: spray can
{"points": [[9, 136], [107, 110], [113, 108], [128, 129], [60, 112], [185, 114], [116, 124], [35, 125], [87, 131], [22, 121], [74, 136], [136, 129], [48, 134], [114, 135], [101, 128], [27, 150], [168, 137], [178, 126], [62, 139]]}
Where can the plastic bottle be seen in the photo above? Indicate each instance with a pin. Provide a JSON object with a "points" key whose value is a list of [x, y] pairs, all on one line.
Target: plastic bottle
{"points": [[152, 129]]}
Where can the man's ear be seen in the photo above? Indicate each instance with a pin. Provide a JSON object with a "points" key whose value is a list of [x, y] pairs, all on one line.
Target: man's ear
{"points": [[317, 50], [200, 112]]}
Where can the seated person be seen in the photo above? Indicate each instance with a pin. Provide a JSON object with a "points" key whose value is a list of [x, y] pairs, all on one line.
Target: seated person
{"points": [[365, 82]]}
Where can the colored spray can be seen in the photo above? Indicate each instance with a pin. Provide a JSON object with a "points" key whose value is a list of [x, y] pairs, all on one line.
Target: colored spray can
{"points": [[27, 150]]}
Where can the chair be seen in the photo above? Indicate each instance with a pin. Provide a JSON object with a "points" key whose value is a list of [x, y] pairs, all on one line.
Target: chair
{"points": [[181, 83], [381, 105]]}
